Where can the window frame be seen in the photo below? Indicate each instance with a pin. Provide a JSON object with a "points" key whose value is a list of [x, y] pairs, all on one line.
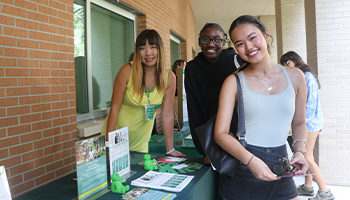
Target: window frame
{"points": [[176, 40], [91, 115]]}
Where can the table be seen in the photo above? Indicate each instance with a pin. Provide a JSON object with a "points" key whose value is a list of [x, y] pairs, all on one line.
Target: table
{"points": [[203, 186], [157, 143]]}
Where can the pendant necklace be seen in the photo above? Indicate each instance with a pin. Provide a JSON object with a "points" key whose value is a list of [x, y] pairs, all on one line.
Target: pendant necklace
{"points": [[260, 79]]}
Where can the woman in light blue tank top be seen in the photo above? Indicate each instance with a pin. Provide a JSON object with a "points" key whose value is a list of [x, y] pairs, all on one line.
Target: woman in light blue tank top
{"points": [[268, 118]]}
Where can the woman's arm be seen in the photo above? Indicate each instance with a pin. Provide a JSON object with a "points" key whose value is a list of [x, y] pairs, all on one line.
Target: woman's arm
{"points": [[299, 130], [168, 115], [120, 82], [227, 102]]}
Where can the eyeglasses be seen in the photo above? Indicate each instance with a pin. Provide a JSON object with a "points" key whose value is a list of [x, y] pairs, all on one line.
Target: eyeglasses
{"points": [[206, 40], [283, 169]]}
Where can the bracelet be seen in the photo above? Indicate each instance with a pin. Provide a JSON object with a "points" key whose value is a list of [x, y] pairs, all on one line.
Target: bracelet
{"points": [[300, 151], [298, 140], [249, 161], [169, 152]]}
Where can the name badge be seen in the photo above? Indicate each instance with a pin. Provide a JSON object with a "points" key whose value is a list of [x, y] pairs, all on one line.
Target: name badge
{"points": [[149, 111]]}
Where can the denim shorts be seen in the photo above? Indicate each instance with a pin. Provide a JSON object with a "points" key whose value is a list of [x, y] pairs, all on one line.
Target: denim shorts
{"points": [[245, 186]]}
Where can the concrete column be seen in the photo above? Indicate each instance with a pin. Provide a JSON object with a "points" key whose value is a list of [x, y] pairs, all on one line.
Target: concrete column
{"points": [[290, 23], [270, 23]]}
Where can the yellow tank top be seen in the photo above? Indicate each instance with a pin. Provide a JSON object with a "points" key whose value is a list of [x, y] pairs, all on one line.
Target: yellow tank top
{"points": [[132, 114]]}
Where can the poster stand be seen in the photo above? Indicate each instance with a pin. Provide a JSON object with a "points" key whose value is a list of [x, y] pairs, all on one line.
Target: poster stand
{"points": [[91, 168], [119, 154], [5, 193]]}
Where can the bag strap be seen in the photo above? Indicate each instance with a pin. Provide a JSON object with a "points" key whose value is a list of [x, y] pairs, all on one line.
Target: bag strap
{"points": [[241, 122]]}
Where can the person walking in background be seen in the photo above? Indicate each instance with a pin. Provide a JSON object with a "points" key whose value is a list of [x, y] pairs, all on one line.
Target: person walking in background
{"points": [[140, 88], [204, 76], [314, 123], [178, 64], [274, 101]]}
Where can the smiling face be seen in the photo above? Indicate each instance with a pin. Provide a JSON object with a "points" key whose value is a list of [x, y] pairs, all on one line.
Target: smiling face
{"points": [[210, 51], [250, 42], [149, 54]]}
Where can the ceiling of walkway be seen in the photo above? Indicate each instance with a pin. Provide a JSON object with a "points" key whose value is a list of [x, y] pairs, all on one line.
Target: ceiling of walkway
{"points": [[224, 12]]}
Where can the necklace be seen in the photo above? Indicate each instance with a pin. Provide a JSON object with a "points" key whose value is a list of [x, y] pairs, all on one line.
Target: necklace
{"points": [[260, 79]]}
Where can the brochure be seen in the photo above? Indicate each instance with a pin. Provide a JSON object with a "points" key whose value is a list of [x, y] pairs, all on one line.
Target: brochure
{"points": [[163, 181], [167, 159], [91, 167], [189, 137], [119, 154], [139, 193], [5, 193]]}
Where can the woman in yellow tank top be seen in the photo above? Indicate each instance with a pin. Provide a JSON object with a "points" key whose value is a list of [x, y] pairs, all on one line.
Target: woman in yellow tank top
{"points": [[139, 89]]}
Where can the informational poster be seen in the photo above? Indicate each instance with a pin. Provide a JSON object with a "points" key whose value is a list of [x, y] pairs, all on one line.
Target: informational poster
{"points": [[5, 193], [119, 154], [91, 167], [139, 193]]}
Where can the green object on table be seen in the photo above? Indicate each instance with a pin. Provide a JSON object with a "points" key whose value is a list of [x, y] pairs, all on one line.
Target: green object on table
{"points": [[117, 184], [168, 167], [148, 163]]}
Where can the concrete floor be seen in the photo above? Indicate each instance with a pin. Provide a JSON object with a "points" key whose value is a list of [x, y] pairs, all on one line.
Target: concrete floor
{"points": [[339, 192]]}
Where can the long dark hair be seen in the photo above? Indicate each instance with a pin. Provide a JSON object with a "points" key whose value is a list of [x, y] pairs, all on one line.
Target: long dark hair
{"points": [[248, 19], [299, 63], [138, 84]]}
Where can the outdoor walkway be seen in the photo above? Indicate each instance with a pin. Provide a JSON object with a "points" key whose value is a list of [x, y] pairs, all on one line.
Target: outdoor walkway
{"points": [[340, 192]]}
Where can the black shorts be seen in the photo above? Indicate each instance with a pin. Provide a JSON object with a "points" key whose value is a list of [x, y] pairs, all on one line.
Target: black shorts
{"points": [[245, 186]]}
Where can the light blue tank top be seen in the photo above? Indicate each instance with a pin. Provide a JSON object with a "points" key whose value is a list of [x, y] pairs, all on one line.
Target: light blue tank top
{"points": [[268, 117]]}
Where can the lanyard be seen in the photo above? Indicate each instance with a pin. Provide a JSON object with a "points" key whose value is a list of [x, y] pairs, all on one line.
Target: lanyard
{"points": [[149, 102]]}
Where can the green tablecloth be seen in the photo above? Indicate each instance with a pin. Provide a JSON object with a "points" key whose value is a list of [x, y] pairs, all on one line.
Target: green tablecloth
{"points": [[203, 186]]}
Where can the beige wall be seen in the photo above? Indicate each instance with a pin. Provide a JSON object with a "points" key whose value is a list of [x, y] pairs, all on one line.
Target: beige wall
{"points": [[270, 23], [333, 61]]}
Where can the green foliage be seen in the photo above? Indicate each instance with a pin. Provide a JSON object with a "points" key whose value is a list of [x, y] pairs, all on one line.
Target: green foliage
{"points": [[167, 167], [79, 30]]}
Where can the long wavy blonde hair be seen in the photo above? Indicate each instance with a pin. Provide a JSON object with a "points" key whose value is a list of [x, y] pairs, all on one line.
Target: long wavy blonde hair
{"points": [[138, 72]]}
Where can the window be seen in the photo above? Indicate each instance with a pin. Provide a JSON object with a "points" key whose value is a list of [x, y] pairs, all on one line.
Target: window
{"points": [[104, 38], [175, 50]]}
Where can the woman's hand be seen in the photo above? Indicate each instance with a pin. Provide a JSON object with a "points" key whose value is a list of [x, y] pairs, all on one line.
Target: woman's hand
{"points": [[176, 153], [261, 171], [299, 162]]}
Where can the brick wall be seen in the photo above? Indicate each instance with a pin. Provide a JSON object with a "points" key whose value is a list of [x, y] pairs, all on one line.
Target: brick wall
{"points": [[333, 59], [291, 25], [37, 82], [37, 92], [170, 15]]}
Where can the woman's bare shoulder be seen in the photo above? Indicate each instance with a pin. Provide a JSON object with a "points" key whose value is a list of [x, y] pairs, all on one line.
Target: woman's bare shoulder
{"points": [[295, 73], [124, 72]]}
